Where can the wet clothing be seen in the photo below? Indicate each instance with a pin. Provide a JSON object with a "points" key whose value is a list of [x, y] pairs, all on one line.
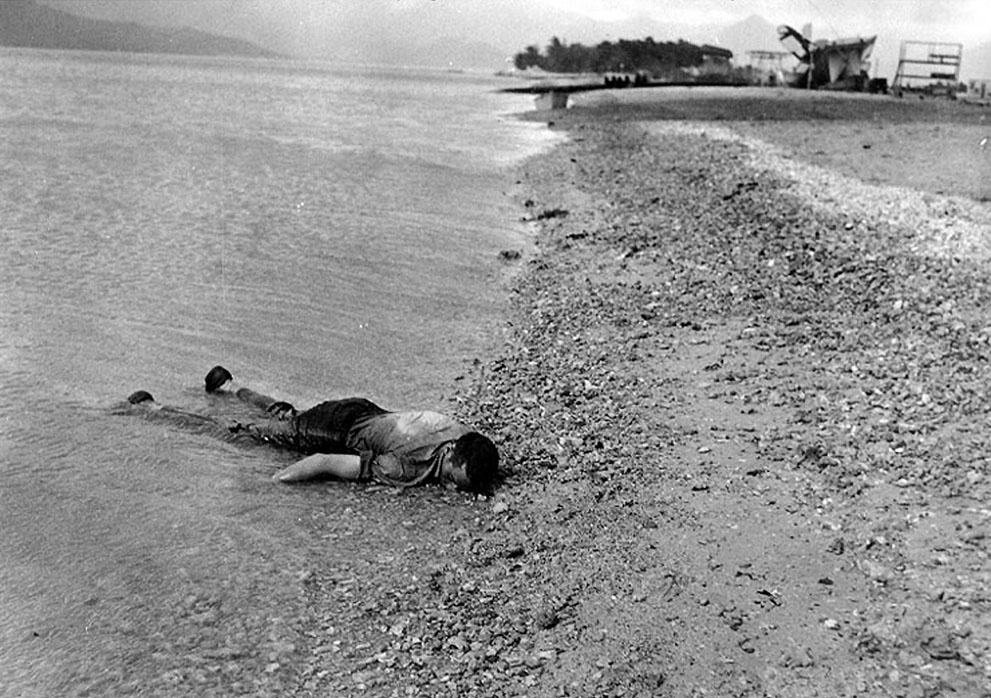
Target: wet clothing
{"points": [[402, 449]]}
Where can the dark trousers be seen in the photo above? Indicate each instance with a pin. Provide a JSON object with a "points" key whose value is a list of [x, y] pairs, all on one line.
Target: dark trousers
{"points": [[320, 429]]}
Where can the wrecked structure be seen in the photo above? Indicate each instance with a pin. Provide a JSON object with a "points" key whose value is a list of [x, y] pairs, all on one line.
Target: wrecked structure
{"points": [[830, 65]]}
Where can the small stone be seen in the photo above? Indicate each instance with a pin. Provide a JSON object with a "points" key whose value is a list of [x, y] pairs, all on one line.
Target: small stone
{"points": [[546, 619], [836, 547], [875, 571]]}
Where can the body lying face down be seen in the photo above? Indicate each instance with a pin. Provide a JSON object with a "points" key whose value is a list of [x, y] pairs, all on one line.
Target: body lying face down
{"points": [[352, 439]]}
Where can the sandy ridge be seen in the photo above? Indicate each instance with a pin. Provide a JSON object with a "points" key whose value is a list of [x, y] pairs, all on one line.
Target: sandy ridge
{"points": [[952, 226]]}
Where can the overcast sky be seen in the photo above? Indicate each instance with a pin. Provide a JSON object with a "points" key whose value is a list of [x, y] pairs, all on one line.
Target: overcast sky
{"points": [[332, 28], [956, 20]]}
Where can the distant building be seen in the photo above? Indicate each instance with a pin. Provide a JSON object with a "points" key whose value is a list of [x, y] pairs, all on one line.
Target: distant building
{"points": [[716, 60], [931, 67], [766, 68]]}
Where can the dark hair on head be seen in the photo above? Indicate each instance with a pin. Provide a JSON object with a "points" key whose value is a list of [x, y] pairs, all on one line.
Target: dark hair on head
{"points": [[480, 458]]}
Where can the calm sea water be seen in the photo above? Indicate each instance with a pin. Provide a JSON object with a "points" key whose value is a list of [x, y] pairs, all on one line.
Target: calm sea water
{"points": [[321, 231]]}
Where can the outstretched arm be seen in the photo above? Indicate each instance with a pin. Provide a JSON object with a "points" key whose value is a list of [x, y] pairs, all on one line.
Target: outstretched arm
{"points": [[343, 466]]}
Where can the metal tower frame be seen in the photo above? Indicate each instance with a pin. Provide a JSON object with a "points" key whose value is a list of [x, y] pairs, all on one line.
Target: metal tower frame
{"points": [[943, 58]]}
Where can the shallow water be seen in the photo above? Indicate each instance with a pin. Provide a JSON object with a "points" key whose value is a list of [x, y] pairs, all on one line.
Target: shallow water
{"points": [[322, 231]]}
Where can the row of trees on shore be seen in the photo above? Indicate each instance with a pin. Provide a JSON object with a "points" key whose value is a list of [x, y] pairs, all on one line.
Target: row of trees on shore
{"points": [[630, 56]]}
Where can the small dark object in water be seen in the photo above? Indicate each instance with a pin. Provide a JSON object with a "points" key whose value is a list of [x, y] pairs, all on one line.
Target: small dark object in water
{"points": [[509, 255]]}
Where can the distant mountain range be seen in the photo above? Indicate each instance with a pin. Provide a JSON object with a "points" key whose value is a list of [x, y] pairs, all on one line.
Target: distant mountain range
{"points": [[25, 23], [752, 34], [54, 24], [385, 32]]}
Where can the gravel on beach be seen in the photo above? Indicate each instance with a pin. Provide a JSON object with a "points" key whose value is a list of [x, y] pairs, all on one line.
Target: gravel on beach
{"points": [[742, 406]]}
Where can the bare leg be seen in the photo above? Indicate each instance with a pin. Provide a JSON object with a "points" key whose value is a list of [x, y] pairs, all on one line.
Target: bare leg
{"points": [[142, 402], [262, 402], [220, 380], [320, 430], [274, 432]]}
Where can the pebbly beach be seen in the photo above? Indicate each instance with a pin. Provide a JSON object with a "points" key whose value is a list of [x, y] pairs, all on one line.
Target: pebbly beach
{"points": [[732, 346], [741, 401], [745, 400]]}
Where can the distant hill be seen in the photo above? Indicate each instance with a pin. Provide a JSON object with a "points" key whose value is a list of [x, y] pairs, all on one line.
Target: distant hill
{"points": [[752, 34], [27, 24]]}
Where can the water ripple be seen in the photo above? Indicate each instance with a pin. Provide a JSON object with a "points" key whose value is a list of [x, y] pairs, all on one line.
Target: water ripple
{"points": [[161, 215]]}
